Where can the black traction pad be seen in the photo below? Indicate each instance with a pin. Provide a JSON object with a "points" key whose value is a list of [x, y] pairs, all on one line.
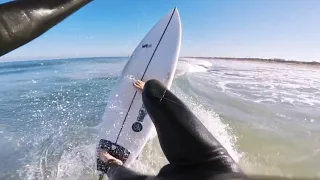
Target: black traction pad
{"points": [[115, 150]]}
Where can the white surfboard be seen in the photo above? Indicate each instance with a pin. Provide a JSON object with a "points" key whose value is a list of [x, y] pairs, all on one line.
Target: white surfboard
{"points": [[125, 121]]}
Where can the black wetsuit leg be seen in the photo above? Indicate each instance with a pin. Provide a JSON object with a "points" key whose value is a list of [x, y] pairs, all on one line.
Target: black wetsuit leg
{"points": [[185, 141], [117, 172]]}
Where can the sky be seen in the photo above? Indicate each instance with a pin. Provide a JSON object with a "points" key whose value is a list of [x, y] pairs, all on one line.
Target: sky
{"points": [[287, 29]]}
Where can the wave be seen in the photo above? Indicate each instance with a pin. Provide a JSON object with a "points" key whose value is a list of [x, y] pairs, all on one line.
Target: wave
{"points": [[65, 153], [26, 63], [275, 60], [184, 88], [29, 64], [49, 62], [190, 65]]}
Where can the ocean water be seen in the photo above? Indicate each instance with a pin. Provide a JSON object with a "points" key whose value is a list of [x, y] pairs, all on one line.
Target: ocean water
{"points": [[266, 114]]}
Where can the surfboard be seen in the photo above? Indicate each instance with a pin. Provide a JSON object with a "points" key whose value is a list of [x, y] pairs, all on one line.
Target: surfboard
{"points": [[126, 124]]}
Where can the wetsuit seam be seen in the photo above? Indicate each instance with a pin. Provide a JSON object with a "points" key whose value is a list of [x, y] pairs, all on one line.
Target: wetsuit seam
{"points": [[174, 102], [165, 91]]}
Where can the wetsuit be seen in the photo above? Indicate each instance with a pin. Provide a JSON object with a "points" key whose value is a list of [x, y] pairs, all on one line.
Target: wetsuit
{"points": [[24, 20], [192, 151]]}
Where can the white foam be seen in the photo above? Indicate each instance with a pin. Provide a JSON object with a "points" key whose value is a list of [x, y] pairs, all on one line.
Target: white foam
{"points": [[192, 66], [214, 123], [195, 68], [79, 159], [220, 130]]}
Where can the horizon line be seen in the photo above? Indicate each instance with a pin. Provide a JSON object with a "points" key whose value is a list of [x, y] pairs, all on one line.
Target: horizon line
{"points": [[268, 60]]}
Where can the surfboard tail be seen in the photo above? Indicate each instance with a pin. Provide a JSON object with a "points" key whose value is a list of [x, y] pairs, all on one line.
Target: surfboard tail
{"points": [[23, 21], [115, 150]]}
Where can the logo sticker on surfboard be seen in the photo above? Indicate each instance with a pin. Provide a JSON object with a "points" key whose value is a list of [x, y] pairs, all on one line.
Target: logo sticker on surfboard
{"points": [[146, 45], [137, 126]]}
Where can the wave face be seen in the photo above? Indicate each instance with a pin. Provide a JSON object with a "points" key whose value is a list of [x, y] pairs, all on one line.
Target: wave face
{"points": [[266, 115]]}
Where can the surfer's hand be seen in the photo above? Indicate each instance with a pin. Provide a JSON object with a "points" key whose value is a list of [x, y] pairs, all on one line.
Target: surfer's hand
{"points": [[106, 157], [139, 85]]}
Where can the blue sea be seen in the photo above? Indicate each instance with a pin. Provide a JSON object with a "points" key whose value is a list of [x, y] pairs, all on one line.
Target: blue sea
{"points": [[267, 115]]}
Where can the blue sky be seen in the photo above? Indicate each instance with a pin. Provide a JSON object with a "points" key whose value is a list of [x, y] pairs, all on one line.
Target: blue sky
{"points": [[286, 29]]}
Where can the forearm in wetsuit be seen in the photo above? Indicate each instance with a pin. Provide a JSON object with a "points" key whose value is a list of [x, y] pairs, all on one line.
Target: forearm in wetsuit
{"points": [[22, 21], [193, 152]]}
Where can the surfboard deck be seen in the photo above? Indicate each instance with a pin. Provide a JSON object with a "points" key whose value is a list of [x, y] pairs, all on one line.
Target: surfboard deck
{"points": [[125, 121]]}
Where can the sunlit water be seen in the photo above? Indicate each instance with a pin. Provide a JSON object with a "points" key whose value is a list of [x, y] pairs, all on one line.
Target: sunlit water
{"points": [[266, 114]]}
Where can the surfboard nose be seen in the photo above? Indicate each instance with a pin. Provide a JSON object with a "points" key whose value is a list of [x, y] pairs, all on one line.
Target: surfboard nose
{"points": [[175, 9], [175, 13], [23, 21]]}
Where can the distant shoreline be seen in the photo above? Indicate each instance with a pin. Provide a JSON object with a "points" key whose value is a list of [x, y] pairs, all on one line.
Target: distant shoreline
{"points": [[275, 60]]}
